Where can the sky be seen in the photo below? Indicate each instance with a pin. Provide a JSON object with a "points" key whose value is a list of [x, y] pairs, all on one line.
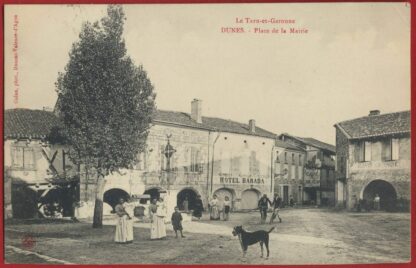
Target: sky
{"points": [[355, 57]]}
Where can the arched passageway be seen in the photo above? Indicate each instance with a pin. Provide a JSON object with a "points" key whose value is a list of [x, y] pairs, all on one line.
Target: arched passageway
{"points": [[186, 194], [384, 190], [222, 193], [250, 199], [113, 196]]}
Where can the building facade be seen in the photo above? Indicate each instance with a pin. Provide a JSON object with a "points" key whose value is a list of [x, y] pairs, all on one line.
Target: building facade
{"points": [[319, 169], [33, 168], [289, 164], [187, 155], [373, 158]]}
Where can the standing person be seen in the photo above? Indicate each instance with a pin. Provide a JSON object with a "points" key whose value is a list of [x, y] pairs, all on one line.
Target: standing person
{"points": [[186, 204], [198, 208], [276, 204], [176, 220], [291, 201], [377, 202], [157, 228], [227, 208], [215, 211], [129, 208], [122, 235], [263, 207]]}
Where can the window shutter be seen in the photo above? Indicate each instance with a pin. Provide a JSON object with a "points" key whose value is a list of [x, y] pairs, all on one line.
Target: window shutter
{"points": [[367, 150], [28, 158], [386, 150], [395, 149]]}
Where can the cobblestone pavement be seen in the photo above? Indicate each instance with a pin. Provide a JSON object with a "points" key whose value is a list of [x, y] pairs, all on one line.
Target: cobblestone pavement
{"points": [[306, 236]]}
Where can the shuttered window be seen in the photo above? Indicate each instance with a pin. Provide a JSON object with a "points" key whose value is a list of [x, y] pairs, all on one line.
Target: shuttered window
{"points": [[367, 151], [386, 150], [23, 158], [394, 149]]}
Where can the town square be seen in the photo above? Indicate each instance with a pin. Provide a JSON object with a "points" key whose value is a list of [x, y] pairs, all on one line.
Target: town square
{"points": [[153, 131]]}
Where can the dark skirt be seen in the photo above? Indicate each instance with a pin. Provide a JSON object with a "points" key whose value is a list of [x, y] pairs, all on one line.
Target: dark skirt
{"points": [[227, 209], [197, 213]]}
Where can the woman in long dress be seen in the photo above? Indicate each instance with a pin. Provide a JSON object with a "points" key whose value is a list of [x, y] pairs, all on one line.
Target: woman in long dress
{"points": [[129, 208], [122, 235], [215, 211], [157, 212]]}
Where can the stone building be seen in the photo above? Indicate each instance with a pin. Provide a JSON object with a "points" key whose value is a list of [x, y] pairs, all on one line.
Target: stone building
{"points": [[319, 169], [187, 155], [35, 172], [241, 162], [373, 157], [289, 172]]}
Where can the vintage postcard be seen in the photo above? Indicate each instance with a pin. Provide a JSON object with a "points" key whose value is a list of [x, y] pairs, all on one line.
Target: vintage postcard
{"points": [[262, 134]]}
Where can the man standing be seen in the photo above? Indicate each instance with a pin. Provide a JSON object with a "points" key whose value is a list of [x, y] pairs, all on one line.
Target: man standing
{"points": [[377, 202], [263, 207], [277, 202]]}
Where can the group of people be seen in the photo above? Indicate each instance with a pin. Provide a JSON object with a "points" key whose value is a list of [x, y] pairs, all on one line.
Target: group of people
{"points": [[216, 209], [158, 214], [263, 206]]}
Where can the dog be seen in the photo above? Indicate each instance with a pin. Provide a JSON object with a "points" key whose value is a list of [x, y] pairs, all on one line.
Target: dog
{"points": [[250, 238]]}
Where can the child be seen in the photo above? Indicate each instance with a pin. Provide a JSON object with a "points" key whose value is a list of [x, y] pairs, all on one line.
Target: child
{"points": [[177, 222]]}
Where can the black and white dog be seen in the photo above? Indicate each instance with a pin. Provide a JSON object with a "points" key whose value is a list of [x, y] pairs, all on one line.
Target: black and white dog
{"points": [[250, 238]]}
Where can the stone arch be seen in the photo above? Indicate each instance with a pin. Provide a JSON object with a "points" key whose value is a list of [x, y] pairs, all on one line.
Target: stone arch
{"points": [[250, 198], [385, 190], [222, 192], [187, 192], [113, 195], [154, 192]]}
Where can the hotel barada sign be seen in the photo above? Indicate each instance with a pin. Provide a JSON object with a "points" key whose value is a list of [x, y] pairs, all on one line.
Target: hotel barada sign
{"points": [[241, 180]]}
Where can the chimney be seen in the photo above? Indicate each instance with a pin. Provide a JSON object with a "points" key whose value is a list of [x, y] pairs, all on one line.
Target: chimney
{"points": [[252, 125], [196, 110], [374, 112]]}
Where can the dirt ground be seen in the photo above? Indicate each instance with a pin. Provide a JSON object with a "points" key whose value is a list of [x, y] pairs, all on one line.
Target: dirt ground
{"points": [[306, 236]]}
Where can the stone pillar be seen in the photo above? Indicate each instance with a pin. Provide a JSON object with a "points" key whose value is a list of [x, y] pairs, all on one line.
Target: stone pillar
{"points": [[8, 210]]}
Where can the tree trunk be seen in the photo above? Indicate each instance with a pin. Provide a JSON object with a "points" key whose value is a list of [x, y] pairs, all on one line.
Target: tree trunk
{"points": [[98, 207]]}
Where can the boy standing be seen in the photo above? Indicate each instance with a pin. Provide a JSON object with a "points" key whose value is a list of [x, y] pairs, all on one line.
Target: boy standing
{"points": [[177, 222]]}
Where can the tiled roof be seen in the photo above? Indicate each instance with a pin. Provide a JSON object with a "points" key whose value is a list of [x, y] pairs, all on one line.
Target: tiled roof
{"points": [[312, 142], [377, 125], [319, 144], [287, 145], [27, 123], [210, 123]]}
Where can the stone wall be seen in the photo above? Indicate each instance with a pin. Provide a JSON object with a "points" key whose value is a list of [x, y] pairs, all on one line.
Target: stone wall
{"points": [[395, 172]]}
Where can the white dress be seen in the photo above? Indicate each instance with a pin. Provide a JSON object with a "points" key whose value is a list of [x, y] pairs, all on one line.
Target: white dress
{"points": [[158, 227], [129, 207]]}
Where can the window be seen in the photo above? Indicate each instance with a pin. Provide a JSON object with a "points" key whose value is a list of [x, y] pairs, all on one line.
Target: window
{"points": [[22, 157], [194, 160], [293, 159], [277, 157], [300, 160], [363, 151], [286, 157]]}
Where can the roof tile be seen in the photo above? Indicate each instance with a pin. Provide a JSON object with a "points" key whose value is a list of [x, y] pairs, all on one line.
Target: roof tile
{"points": [[377, 125]]}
